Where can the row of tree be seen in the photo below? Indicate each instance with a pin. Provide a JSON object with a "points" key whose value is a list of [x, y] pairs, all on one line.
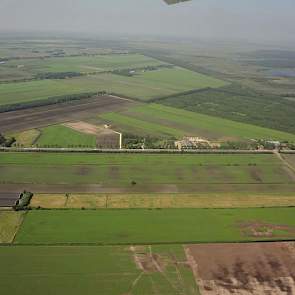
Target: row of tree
{"points": [[48, 101]]}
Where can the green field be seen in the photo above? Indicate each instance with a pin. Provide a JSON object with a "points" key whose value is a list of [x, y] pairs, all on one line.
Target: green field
{"points": [[142, 86], [9, 224], [240, 104], [156, 226], [93, 270], [62, 136], [158, 120], [82, 64], [145, 173]]}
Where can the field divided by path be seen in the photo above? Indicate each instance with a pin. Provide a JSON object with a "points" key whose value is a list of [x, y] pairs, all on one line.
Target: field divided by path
{"points": [[117, 270], [158, 120], [46, 115], [111, 227]]}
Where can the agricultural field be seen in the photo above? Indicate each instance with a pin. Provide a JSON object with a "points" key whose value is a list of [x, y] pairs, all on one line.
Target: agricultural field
{"points": [[154, 201], [145, 224], [136, 270], [159, 120], [239, 104], [139, 173], [290, 158], [62, 136], [8, 199], [26, 138], [10, 222], [143, 86], [68, 135], [24, 120], [79, 64], [114, 227], [254, 268]]}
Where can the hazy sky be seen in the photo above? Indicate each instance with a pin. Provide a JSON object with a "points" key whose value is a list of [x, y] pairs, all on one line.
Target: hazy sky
{"points": [[229, 19]]}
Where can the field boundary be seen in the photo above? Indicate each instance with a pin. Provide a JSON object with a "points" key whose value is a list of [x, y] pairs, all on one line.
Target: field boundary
{"points": [[134, 151], [149, 243]]}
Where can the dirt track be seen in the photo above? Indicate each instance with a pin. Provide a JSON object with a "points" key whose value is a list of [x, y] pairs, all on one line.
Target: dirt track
{"points": [[255, 268], [46, 115]]}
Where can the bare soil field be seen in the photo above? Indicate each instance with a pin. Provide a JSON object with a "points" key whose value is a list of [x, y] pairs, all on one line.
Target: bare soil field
{"points": [[105, 137], [246, 269], [8, 199], [47, 115]]}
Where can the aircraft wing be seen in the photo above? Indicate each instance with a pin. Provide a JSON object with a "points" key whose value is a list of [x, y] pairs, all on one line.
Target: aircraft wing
{"points": [[170, 2]]}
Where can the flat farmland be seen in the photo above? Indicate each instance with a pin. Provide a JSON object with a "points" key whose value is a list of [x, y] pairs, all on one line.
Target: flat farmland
{"points": [[142, 226], [26, 138], [47, 115], [143, 86], [158, 120], [80, 64], [154, 84], [8, 199], [62, 136], [12, 93], [10, 222], [154, 201], [254, 268], [290, 158], [116, 270], [143, 172]]}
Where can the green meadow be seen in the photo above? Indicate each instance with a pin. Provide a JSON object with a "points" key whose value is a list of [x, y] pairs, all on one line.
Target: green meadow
{"points": [[159, 120], [62, 136], [143, 86], [142, 171], [82, 64], [93, 270], [108, 227]]}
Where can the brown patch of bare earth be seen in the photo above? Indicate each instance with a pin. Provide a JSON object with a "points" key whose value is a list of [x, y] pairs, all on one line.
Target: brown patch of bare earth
{"points": [[262, 229], [105, 137], [246, 269], [147, 261]]}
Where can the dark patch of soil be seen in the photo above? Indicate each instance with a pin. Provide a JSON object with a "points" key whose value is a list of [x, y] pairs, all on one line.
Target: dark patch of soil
{"points": [[255, 174], [83, 170]]}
